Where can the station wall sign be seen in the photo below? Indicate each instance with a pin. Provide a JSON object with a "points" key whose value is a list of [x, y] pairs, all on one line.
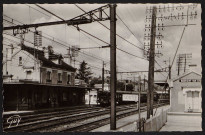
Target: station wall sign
{"points": [[129, 97]]}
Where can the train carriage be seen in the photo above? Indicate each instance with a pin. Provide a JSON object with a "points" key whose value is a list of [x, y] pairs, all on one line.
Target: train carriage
{"points": [[123, 97]]}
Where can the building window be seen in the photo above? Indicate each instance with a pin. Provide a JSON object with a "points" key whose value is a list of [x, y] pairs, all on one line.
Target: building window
{"points": [[69, 77], [28, 74], [20, 61], [48, 76], [198, 80], [59, 78]]}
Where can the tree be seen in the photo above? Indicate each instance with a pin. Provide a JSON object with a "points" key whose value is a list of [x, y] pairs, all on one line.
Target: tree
{"points": [[95, 80], [130, 87], [120, 86], [50, 49], [84, 72]]}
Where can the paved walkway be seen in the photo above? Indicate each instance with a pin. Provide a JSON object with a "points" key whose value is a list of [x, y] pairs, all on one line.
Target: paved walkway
{"points": [[183, 122], [128, 123]]}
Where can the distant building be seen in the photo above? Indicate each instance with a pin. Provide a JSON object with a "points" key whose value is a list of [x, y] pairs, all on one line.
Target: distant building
{"points": [[186, 93], [91, 97], [106, 86], [79, 82]]}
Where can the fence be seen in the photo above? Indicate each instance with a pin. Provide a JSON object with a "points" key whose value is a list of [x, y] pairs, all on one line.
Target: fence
{"points": [[157, 122], [153, 124]]}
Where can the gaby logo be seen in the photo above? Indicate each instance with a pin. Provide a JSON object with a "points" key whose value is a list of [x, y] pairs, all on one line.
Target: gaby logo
{"points": [[13, 120]]}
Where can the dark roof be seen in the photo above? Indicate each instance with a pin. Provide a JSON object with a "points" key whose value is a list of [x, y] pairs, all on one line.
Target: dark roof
{"points": [[46, 62]]}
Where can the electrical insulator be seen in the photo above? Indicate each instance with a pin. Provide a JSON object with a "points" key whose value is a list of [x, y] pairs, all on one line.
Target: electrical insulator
{"points": [[100, 13], [164, 8], [159, 8], [195, 16]]}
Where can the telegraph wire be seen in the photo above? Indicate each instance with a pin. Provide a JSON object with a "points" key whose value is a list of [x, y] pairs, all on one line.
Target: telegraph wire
{"points": [[130, 53], [84, 31], [120, 36], [178, 46], [129, 29], [116, 33], [37, 10], [91, 34], [56, 42]]}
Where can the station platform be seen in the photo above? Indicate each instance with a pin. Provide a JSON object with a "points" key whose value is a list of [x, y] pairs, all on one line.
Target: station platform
{"points": [[179, 121], [127, 124]]}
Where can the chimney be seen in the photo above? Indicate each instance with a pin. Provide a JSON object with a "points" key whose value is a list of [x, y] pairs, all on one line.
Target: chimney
{"points": [[45, 50], [60, 59], [10, 52], [67, 59]]}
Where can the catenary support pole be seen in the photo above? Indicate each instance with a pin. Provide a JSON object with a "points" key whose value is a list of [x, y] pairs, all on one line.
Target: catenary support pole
{"points": [[113, 65], [151, 66], [139, 90], [103, 77], [170, 68]]}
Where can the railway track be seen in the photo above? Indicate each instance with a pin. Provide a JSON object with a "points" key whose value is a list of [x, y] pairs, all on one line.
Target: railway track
{"points": [[88, 126], [37, 122], [81, 119], [26, 118]]}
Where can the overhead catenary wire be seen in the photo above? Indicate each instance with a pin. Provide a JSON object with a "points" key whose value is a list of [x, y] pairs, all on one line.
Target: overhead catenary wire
{"points": [[129, 29], [116, 33], [42, 32], [83, 53], [63, 45], [37, 10], [81, 29], [128, 53], [120, 36], [92, 56], [101, 40]]}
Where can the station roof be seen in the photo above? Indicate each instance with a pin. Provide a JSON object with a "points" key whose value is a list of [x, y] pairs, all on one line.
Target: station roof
{"points": [[185, 74]]}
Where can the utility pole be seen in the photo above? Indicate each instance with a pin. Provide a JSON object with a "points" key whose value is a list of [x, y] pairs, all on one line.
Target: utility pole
{"points": [[139, 90], [6, 61], [169, 77], [169, 69], [125, 85], [103, 77], [113, 78], [185, 63], [151, 65], [144, 82], [179, 65]]}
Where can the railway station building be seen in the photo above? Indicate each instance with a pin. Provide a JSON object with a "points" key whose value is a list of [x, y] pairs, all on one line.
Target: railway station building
{"points": [[34, 78], [185, 96]]}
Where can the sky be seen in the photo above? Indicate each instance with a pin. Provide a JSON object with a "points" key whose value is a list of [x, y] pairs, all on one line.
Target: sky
{"points": [[133, 15]]}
